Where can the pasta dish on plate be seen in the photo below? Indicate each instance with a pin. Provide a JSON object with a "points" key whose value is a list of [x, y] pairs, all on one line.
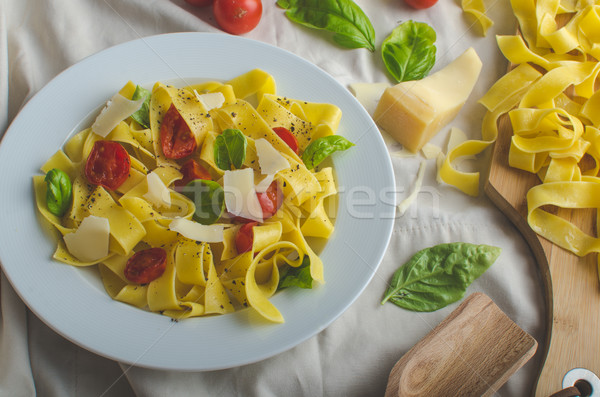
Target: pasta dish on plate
{"points": [[197, 200]]}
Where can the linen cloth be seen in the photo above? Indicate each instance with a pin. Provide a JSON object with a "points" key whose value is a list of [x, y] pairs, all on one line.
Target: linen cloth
{"points": [[354, 355]]}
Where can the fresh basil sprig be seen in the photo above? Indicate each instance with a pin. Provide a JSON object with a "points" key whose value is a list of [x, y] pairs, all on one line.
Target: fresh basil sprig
{"points": [[438, 276], [409, 52], [209, 198], [142, 115], [321, 148], [350, 25], [230, 149], [59, 191], [296, 276]]}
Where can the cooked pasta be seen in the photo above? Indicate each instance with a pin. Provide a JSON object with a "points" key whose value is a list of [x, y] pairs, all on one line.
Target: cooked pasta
{"points": [[215, 263]]}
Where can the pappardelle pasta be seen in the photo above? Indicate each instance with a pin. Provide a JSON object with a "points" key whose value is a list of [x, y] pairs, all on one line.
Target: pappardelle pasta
{"points": [[198, 200]]}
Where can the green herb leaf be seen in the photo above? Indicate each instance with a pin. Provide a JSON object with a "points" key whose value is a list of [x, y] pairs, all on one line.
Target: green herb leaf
{"points": [[209, 198], [321, 148], [59, 192], [409, 52], [350, 25], [439, 275], [296, 276], [142, 116], [230, 149]]}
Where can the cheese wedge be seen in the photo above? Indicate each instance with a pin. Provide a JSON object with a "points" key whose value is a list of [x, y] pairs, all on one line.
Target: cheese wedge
{"points": [[414, 111]]}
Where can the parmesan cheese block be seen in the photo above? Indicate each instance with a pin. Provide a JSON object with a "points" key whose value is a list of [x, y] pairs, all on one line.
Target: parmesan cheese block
{"points": [[89, 242], [414, 111]]}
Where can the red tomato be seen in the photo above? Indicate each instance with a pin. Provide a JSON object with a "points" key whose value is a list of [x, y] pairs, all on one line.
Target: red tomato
{"points": [[287, 137], [237, 16], [199, 3], [176, 138], [146, 265], [191, 170], [420, 4], [107, 165], [244, 238], [271, 200]]}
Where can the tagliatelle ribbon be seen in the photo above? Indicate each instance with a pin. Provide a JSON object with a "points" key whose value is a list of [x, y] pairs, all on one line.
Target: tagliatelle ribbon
{"points": [[476, 8], [581, 194]]}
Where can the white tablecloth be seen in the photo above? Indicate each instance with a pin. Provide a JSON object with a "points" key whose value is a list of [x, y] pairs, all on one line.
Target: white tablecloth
{"points": [[353, 356]]}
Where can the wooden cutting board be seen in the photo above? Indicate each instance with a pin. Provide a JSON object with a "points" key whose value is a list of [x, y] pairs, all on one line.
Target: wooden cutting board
{"points": [[471, 353], [570, 283]]}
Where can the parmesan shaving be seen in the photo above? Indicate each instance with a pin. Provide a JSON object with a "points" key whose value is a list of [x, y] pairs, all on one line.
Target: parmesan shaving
{"points": [[240, 194], [430, 151], [269, 158], [196, 231], [403, 206], [158, 194], [117, 109], [89, 243]]}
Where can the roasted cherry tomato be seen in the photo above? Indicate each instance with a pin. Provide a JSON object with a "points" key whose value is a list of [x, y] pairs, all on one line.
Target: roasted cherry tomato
{"points": [[287, 137], [237, 16], [271, 200], [191, 170], [176, 138], [420, 4], [146, 265], [244, 238], [107, 165], [199, 3]]}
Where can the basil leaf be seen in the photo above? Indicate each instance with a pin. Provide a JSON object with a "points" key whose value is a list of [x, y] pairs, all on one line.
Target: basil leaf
{"points": [[230, 149], [321, 148], [439, 275], [409, 52], [296, 276], [59, 192], [350, 25], [209, 198], [142, 115]]}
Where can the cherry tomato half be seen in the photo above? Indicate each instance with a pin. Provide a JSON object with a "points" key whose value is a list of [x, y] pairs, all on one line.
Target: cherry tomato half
{"points": [[287, 137], [271, 200], [191, 170], [237, 16], [107, 165], [199, 3], [244, 238], [146, 265], [420, 4], [176, 138]]}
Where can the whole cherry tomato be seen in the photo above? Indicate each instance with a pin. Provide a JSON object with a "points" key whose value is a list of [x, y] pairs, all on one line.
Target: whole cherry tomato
{"points": [[146, 265], [199, 3], [287, 137], [420, 4], [191, 170], [244, 238], [107, 165], [237, 16], [270, 200], [176, 138]]}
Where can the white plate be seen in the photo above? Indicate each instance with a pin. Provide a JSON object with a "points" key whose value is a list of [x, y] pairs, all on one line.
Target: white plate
{"points": [[72, 301]]}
